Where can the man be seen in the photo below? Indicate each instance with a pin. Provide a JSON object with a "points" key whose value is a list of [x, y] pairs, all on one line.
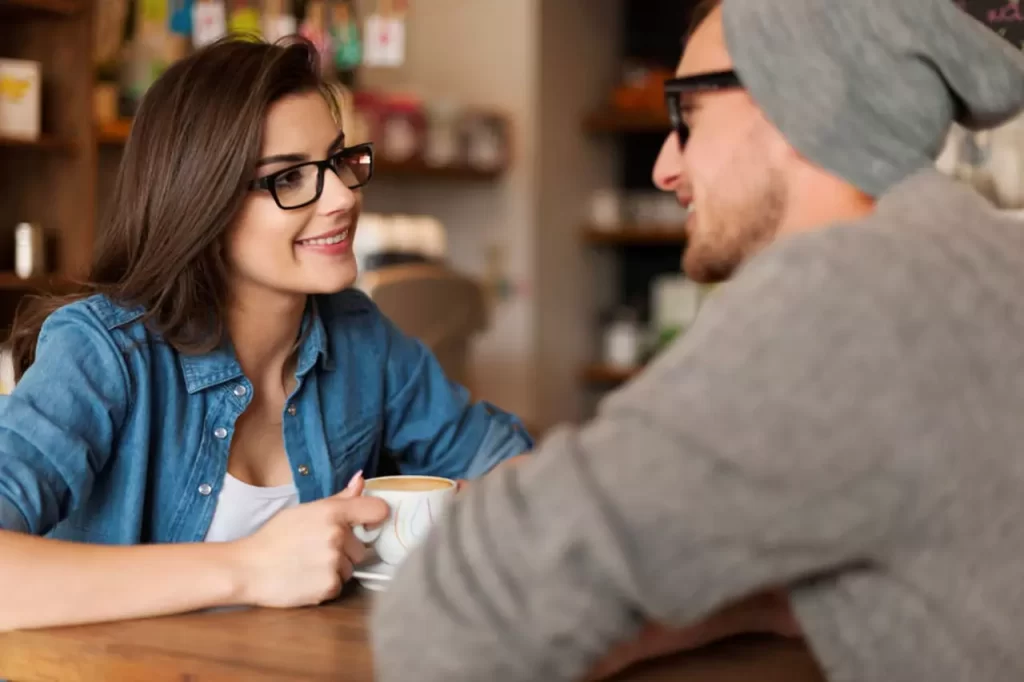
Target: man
{"points": [[843, 420]]}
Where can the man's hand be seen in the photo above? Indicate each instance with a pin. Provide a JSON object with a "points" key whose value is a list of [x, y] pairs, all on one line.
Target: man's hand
{"points": [[767, 613]]}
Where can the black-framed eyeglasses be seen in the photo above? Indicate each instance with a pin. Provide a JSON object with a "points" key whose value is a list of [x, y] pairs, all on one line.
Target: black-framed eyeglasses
{"points": [[302, 184], [675, 88]]}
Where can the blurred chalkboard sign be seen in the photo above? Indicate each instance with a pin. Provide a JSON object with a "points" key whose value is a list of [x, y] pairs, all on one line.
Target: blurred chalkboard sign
{"points": [[1005, 17]]}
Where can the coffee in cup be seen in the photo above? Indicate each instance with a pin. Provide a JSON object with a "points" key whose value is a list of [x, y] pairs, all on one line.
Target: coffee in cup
{"points": [[413, 483], [416, 503]]}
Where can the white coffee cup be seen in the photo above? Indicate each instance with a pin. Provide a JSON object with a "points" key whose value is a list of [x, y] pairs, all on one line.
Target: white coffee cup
{"points": [[416, 502]]}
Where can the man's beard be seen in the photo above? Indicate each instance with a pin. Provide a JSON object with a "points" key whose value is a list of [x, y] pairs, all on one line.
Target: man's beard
{"points": [[731, 231]]}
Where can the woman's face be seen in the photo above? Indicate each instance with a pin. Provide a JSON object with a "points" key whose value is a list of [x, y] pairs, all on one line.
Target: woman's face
{"points": [[306, 250]]}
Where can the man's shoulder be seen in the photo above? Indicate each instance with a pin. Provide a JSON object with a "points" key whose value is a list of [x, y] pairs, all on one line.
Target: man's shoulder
{"points": [[930, 234], [907, 288]]}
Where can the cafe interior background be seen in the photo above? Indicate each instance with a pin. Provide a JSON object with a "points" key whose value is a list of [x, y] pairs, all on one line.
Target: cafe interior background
{"points": [[511, 224]]}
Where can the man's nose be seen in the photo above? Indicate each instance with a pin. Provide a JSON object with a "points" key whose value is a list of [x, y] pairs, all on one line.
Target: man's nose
{"points": [[668, 168]]}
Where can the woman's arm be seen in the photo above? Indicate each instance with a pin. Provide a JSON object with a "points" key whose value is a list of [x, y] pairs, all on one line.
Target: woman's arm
{"points": [[300, 557], [65, 583], [433, 426], [57, 432]]}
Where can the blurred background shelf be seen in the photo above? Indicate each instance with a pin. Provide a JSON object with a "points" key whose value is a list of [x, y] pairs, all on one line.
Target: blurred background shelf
{"points": [[607, 375], [45, 142], [639, 121], [116, 134], [49, 181], [59, 7], [636, 235], [417, 168], [9, 281]]}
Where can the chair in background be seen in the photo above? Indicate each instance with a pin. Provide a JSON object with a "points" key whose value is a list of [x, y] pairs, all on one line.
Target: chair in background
{"points": [[438, 306]]}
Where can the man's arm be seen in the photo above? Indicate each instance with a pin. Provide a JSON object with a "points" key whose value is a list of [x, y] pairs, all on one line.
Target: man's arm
{"points": [[754, 453]]}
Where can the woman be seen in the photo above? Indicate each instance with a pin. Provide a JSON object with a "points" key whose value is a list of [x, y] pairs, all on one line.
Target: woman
{"points": [[220, 371]]}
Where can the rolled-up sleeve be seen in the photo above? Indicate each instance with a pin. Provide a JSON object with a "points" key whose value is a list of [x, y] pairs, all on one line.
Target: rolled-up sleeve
{"points": [[431, 423], [59, 424]]}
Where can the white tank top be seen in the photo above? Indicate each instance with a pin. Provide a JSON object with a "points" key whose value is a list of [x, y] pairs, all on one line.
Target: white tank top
{"points": [[242, 508]]}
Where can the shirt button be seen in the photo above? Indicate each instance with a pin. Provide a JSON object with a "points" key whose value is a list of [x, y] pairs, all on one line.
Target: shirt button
{"points": [[220, 433], [304, 470], [205, 489], [292, 410], [240, 391]]}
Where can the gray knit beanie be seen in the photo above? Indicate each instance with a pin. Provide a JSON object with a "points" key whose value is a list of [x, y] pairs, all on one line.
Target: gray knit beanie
{"points": [[867, 89]]}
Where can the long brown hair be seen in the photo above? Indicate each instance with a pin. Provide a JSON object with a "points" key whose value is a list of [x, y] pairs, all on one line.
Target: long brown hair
{"points": [[182, 179]]}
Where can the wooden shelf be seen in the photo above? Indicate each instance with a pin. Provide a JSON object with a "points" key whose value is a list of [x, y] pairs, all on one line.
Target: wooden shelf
{"points": [[636, 235], [59, 7], [51, 181], [417, 168], [9, 281], [640, 121], [116, 133], [47, 142], [599, 374]]}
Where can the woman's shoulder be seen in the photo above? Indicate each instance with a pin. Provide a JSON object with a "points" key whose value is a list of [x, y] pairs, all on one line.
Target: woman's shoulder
{"points": [[90, 335], [94, 316], [97, 310]]}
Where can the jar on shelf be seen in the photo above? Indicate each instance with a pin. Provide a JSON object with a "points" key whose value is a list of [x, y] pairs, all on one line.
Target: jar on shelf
{"points": [[623, 340], [402, 130], [486, 141], [20, 99], [443, 146]]}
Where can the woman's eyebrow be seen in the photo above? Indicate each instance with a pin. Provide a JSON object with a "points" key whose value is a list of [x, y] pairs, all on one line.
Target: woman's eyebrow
{"points": [[339, 141]]}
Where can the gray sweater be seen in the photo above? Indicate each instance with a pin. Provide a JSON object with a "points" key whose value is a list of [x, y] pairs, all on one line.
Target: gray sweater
{"points": [[846, 419]]}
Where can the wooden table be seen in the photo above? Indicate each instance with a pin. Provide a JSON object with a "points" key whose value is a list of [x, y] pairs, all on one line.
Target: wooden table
{"points": [[305, 645]]}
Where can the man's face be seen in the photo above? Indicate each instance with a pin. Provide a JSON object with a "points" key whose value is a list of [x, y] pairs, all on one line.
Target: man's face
{"points": [[730, 172]]}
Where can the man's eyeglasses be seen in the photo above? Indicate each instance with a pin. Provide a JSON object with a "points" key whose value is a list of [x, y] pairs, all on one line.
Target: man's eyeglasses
{"points": [[703, 82], [301, 185]]}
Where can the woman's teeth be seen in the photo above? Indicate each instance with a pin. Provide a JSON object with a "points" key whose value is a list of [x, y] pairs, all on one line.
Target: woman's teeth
{"points": [[326, 241]]}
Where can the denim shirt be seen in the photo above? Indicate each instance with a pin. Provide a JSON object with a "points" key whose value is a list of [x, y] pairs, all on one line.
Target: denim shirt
{"points": [[112, 436]]}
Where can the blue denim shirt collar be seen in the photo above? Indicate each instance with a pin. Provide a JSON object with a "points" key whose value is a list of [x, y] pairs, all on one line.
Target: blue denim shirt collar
{"points": [[220, 366], [315, 344]]}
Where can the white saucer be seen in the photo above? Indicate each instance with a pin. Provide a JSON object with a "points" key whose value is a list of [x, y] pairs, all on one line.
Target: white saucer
{"points": [[374, 574]]}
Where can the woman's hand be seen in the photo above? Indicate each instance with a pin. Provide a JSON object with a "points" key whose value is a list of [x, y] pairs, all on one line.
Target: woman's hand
{"points": [[768, 613], [304, 555]]}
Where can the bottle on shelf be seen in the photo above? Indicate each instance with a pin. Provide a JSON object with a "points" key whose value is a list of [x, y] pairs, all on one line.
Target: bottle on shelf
{"points": [[29, 251]]}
